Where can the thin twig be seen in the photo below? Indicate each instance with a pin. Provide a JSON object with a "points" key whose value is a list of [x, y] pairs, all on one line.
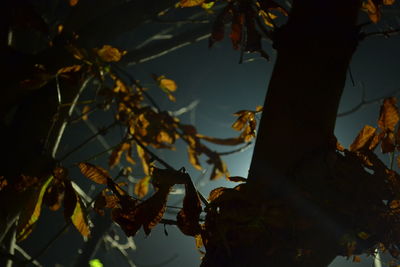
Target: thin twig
{"points": [[386, 34], [364, 102], [101, 131], [238, 150]]}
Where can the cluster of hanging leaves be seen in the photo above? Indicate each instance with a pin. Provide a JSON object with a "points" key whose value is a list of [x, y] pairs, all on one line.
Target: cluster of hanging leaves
{"points": [[132, 214], [54, 191], [247, 20], [373, 8]]}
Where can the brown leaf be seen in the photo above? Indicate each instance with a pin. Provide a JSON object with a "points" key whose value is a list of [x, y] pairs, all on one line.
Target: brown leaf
{"points": [[237, 179], [73, 68], [188, 217], [236, 29], [95, 173], [142, 187], [193, 158], [73, 2], [54, 195], [31, 212], [356, 258], [389, 115], [215, 193], [363, 138], [115, 156], [218, 31]]}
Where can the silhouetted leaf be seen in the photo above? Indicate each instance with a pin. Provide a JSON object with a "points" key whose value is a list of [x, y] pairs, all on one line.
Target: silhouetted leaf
{"points": [[188, 217], [236, 179], [95, 173], [168, 177]]}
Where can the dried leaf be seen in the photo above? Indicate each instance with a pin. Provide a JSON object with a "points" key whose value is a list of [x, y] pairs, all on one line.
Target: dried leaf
{"points": [[193, 158], [115, 156], [54, 195], [73, 68], [190, 3], [75, 210], [356, 258], [218, 31], [188, 217], [110, 54], [167, 84], [237, 29], [145, 159], [95, 173], [215, 193], [363, 138], [31, 212], [142, 187], [389, 115]]}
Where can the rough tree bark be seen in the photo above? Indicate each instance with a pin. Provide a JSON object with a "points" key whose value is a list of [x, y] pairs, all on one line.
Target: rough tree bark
{"points": [[296, 131]]}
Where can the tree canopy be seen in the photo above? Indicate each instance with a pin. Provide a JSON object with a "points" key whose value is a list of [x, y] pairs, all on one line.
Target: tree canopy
{"points": [[306, 200]]}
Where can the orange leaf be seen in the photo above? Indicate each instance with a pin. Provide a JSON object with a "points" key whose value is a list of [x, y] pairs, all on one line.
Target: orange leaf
{"points": [[95, 173], [190, 3], [110, 54], [73, 68], [372, 10], [215, 193], [363, 138], [389, 115], [73, 2], [142, 187], [356, 258], [388, 143], [115, 156]]}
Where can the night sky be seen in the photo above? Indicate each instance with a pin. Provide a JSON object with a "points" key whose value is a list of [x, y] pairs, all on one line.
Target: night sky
{"points": [[221, 86]]}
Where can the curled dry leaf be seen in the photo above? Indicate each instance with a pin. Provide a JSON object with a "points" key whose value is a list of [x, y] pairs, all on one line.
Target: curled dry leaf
{"points": [[115, 156], [193, 158], [144, 158], [95, 173], [363, 139], [73, 68]]}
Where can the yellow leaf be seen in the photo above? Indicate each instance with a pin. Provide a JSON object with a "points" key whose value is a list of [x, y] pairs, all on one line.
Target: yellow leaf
{"points": [[32, 210], [95, 173], [199, 241], [190, 3], [144, 159], [207, 6], [110, 54], [363, 138], [142, 187], [167, 84], [79, 218]]}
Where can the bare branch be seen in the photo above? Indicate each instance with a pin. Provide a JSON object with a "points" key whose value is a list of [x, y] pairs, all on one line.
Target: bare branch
{"points": [[365, 102], [386, 34]]}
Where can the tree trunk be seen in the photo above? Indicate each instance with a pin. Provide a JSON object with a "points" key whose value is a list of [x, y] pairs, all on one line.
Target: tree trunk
{"points": [[293, 148]]}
